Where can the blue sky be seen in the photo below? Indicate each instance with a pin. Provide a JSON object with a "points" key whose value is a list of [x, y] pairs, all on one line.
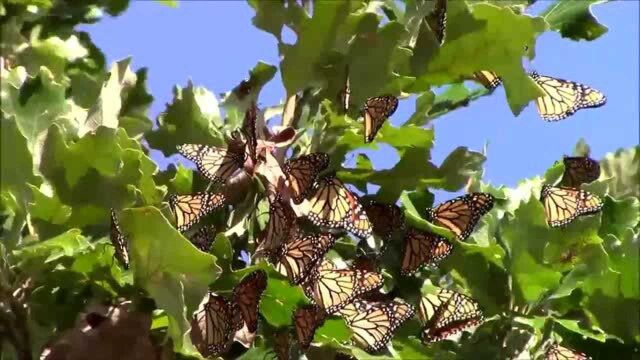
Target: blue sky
{"points": [[214, 44]]}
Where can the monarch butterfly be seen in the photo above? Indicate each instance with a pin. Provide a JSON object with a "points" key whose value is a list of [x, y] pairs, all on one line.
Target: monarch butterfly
{"points": [[488, 79], [296, 258], [188, 209], [302, 172], [446, 313], [332, 289], [423, 248], [563, 204], [213, 326], [119, 241], [557, 352], [376, 111], [306, 320], [373, 323], [563, 97], [282, 222], [461, 215], [203, 238], [365, 263], [249, 130], [281, 345], [579, 170], [437, 20], [246, 296], [334, 206], [216, 164], [385, 218]]}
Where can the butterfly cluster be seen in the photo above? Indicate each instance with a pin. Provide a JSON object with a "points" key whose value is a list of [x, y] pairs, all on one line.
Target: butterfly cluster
{"points": [[310, 208]]}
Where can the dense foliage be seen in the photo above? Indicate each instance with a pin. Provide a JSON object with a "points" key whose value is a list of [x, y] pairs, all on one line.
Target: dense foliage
{"points": [[75, 143]]}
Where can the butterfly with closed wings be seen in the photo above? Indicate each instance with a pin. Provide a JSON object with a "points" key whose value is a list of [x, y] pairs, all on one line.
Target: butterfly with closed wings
{"points": [[562, 205], [297, 257], [579, 170], [461, 215], [189, 209], [563, 97], [333, 206], [376, 111], [557, 352], [306, 320], [422, 248], [374, 322], [446, 313], [216, 164], [280, 226], [332, 289], [302, 172]]}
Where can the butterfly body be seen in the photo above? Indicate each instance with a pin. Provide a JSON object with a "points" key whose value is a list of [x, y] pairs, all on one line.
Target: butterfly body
{"points": [[280, 226]]}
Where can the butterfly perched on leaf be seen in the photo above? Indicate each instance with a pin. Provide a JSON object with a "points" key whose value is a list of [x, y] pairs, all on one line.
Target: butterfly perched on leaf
{"points": [[296, 258], [302, 172], [437, 20], [333, 206], [557, 352], [281, 223], [579, 170], [306, 320], [376, 111], [246, 296], [563, 97], [214, 325], [488, 79], [564, 204], [446, 313], [189, 209], [215, 163], [332, 288], [387, 219], [250, 131], [422, 248], [374, 322], [119, 241], [461, 215], [204, 237]]}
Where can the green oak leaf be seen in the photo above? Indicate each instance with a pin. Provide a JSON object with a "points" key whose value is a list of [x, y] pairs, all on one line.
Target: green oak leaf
{"points": [[574, 20], [173, 271], [192, 117]]}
